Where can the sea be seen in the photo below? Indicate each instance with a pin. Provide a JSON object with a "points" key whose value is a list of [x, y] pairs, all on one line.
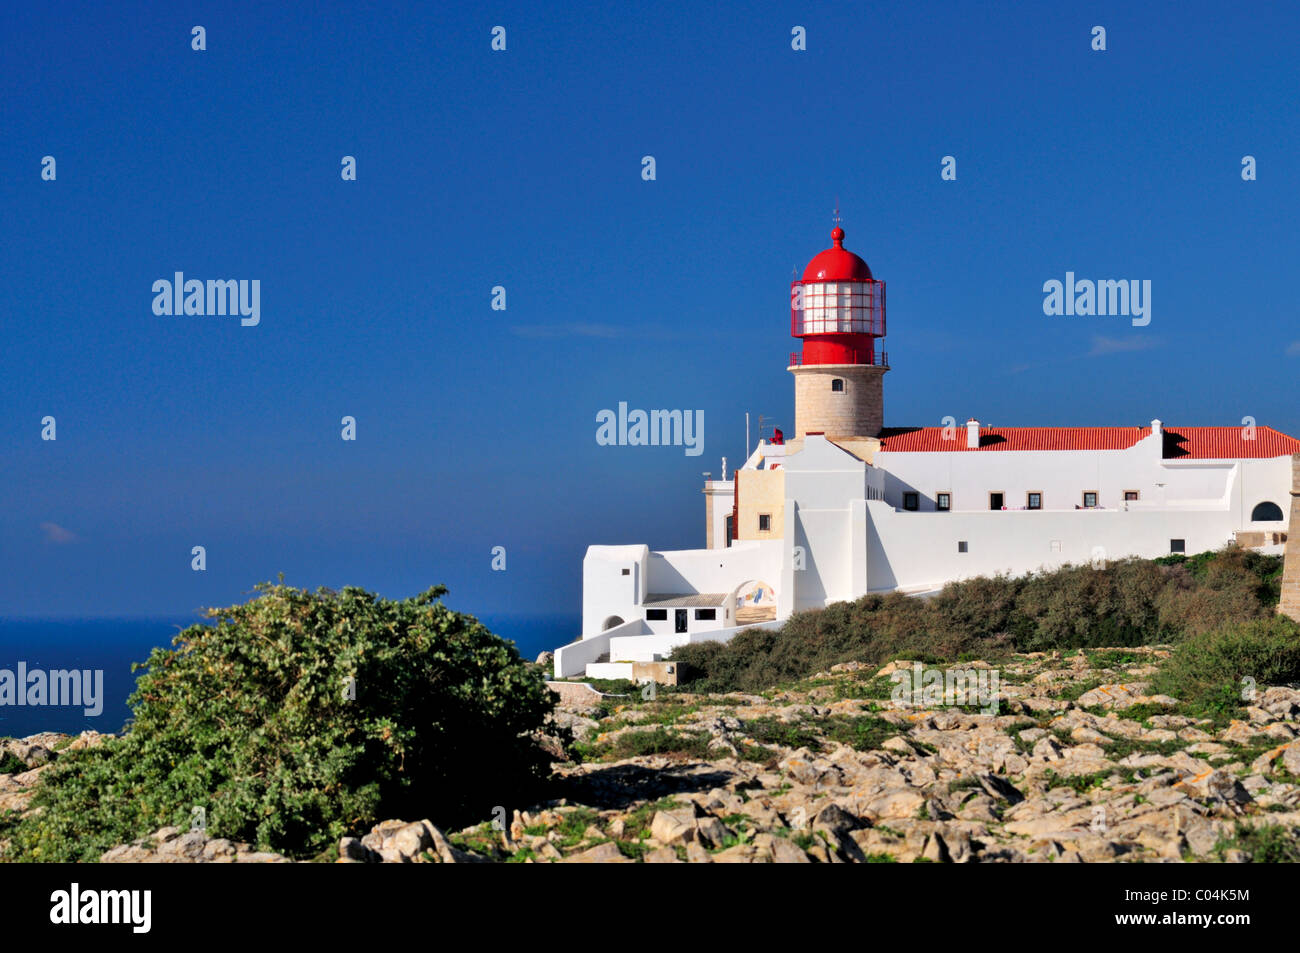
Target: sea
{"points": [[112, 645]]}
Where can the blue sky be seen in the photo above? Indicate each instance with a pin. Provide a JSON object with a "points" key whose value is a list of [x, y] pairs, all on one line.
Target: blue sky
{"points": [[476, 428]]}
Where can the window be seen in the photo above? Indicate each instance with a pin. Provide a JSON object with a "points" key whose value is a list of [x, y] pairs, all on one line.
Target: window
{"points": [[1034, 501], [706, 615], [1056, 546], [996, 501], [942, 502], [764, 522], [837, 385], [1130, 495], [656, 615], [961, 546], [1089, 499], [1266, 513], [911, 501], [1178, 545], [627, 572]]}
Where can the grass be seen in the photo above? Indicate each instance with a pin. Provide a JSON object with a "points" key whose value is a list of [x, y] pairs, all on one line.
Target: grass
{"points": [[787, 734], [10, 764], [1083, 783], [637, 824], [1072, 693], [1266, 844], [659, 740]]}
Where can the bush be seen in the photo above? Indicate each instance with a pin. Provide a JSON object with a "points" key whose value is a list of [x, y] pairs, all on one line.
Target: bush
{"points": [[1205, 671], [249, 718], [1129, 602]]}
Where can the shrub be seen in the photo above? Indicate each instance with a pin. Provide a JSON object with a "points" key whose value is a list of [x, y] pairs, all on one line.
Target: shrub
{"points": [[1205, 671], [248, 718], [1128, 602]]}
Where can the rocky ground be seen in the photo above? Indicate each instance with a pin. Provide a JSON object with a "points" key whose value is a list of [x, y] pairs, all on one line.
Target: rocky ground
{"points": [[1078, 765]]}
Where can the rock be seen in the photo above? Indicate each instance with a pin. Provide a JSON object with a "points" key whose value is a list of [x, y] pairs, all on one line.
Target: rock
{"points": [[673, 827], [787, 852], [835, 820], [711, 832], [546, 658], [899, 802], [662, 855], [412, 840], [606, 853], [696, 854]]}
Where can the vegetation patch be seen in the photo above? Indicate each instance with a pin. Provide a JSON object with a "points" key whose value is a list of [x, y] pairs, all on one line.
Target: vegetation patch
{"points": [[298, 718], [1208, 672], [1127, 603]]}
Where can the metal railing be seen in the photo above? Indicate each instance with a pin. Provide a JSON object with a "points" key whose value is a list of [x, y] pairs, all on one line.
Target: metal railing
{"points": [[881, 359]]}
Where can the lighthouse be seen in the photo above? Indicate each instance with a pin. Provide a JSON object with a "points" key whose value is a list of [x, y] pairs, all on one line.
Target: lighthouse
{"points": [[837, 310]]}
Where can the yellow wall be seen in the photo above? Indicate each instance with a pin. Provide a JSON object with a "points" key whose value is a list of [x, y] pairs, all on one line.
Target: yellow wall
{"points": [[761, 491]]}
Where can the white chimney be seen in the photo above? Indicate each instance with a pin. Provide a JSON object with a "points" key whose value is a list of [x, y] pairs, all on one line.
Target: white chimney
{"points": [[1157, 427], [972, 433]]}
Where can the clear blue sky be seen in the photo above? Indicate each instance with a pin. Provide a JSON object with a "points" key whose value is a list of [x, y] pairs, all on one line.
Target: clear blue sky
{"points": [[476, 428]]}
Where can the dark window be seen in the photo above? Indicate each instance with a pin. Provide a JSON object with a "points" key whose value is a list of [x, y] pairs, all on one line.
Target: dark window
{"points": [[995, 501], [1178, 545], [764, 522], [942, 502], [627, 572], [656, 615], [961, 546], [911, 501], [837, 385], [706, 615], [1130, 494], [1089, 499], [1266, 513], [680, 625], [1035, 501], [731, 529]]}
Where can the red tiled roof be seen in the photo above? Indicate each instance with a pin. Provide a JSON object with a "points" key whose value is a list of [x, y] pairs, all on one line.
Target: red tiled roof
{"points": [[1191, 443]]}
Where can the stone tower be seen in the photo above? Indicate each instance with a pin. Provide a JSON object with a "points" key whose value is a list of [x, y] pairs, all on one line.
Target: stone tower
{"points": [[1290, 602]]}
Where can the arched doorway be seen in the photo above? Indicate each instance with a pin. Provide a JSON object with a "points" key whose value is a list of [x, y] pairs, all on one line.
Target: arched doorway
{"points": [[753, 601], [611, 622]]}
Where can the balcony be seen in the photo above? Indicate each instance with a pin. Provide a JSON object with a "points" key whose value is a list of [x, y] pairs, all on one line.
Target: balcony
{"points": [[880, 359]]}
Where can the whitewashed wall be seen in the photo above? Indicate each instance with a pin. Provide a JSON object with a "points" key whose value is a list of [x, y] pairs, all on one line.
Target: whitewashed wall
{"points": [[915, 550]]}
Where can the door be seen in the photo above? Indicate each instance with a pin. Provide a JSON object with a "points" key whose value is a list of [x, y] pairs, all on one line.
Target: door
{"points": [[681, 620], [995, 501]]}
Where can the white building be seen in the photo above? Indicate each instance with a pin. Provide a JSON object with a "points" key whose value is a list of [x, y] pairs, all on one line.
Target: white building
{"points": [[849, 506]]}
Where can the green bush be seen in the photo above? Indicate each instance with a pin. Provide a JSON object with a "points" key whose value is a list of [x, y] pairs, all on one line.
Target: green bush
{"points": [[249, 718], [1129, 602], [1205, 671]]}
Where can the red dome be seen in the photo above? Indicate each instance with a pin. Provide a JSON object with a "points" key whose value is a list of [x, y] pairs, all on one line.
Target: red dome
{"points": [[836, 264]]}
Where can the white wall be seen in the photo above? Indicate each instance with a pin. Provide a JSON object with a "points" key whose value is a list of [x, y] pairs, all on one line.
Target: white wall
{"points": [[828, 484], [913, 550], [606, 591], [715, 570], [1063, 476], [573, 659]]}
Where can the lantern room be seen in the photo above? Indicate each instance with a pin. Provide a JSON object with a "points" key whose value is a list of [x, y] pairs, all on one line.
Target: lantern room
{"points": [[838, 309]]}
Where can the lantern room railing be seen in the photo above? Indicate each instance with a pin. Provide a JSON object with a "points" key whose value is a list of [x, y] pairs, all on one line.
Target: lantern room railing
{"points": [[880, 359]]}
